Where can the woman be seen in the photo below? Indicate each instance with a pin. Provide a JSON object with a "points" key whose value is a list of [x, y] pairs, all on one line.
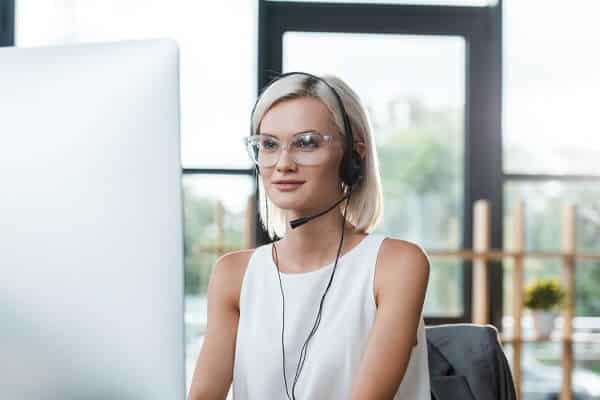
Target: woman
{"points": [[329, 311]]}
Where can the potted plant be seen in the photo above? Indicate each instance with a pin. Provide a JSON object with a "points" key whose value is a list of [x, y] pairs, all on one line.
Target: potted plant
{"points": [[543, 297]]}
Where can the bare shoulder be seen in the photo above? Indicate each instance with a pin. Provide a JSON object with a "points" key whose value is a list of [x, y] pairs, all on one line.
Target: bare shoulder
{"points": [[400, 264], [399, 254], [234, 262], [228, 274]]}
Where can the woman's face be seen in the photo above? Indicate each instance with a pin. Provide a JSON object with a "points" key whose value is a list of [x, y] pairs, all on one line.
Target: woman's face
{"points": [[321, 183]]}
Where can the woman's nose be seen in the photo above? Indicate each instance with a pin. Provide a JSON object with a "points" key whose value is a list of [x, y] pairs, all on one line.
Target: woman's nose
{"points": [[285, 160]]}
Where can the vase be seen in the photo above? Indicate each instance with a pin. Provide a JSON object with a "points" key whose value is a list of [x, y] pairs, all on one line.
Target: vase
{"points": [[543, 322]]}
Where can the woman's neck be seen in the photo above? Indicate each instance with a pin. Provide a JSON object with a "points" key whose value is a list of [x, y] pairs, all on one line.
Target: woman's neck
{"points": [[315, 243]]}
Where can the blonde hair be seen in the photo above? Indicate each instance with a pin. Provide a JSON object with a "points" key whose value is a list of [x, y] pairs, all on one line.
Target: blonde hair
{"points": [[365, 209]]}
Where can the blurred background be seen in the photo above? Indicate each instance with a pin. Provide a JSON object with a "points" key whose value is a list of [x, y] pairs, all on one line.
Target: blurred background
{"points": [[469, 99]]}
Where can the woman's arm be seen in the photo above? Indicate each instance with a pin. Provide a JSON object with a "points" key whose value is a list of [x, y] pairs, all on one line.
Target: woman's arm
{"points": [[402, 275], [214, 368]]}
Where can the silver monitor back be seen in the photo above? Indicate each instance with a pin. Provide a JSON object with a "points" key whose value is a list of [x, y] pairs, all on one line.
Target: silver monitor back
{"points": [[91, 246]]}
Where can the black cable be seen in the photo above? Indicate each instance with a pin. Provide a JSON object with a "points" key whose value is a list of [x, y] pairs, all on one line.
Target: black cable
{"points": [[282, 323], [320, 313], [282, 303], [304, 349]]}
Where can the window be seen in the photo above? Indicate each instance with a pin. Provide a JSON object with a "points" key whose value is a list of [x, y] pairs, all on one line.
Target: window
{"points": [[413, 87], [550, 87], [215, 221], [551, 130], [543, 202], [550, 150]]}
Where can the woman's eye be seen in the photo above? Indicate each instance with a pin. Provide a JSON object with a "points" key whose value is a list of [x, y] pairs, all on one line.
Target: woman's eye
{"points": [[307, 142], [269, 144]]}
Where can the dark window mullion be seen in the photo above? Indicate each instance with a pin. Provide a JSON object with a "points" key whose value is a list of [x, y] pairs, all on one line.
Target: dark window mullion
{"points": [[359, 18], [7, 23]]}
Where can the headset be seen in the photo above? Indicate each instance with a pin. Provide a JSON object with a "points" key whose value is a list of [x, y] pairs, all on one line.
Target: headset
{"points": [[351, 173]]}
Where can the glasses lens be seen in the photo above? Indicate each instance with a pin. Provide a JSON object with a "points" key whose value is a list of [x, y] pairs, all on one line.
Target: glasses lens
{"points": [[252, 147], [308, 142], [263, 150], [268, 150], [307, 148]]}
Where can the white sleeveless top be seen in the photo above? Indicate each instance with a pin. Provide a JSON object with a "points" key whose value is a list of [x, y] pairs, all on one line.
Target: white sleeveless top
{"points": [[335, 350]]}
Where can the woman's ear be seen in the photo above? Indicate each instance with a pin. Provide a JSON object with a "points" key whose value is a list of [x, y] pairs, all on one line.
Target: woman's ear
{"points": [[361, 149]]}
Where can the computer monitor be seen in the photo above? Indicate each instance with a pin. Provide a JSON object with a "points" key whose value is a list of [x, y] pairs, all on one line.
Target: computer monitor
{"points": [[91, 243]]}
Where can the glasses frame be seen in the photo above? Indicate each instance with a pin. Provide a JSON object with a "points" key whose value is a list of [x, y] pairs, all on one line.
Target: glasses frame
{"points": [[285, 145]]}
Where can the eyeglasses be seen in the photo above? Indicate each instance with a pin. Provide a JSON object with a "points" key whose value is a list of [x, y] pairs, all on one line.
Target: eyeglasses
{"points": [[306, 148]]}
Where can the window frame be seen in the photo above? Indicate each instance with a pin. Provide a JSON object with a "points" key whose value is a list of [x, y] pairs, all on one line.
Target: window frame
{"points": [[481, 29]]}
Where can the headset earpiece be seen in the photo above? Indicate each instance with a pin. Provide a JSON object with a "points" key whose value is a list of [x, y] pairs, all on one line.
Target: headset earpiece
{"points": [[351, 170]]}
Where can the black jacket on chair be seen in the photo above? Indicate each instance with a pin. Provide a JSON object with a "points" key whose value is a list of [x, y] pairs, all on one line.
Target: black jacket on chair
{"points": [[466, 361]]}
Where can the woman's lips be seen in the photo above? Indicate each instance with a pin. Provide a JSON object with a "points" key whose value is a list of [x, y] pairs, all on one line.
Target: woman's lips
{"points": [[288, 187]]}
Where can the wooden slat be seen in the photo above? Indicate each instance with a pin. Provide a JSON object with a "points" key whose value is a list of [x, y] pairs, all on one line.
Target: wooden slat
{"points": [[250, 219], [518, 245], [481, 242], [590, 338], [495, 254], [568, 240]]}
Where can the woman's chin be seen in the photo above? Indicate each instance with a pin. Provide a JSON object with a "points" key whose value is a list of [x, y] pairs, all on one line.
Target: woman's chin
{"points": [[286, 204], [289, 201]]}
